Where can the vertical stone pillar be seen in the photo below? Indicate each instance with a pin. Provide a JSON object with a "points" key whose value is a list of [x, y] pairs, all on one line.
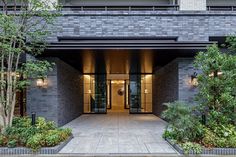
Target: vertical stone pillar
{"points": [[194, 5], [62, 99]]}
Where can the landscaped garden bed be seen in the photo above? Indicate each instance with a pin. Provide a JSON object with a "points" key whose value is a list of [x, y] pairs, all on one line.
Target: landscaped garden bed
{"points": [[208, 127], [204, 151], [42, 138]]}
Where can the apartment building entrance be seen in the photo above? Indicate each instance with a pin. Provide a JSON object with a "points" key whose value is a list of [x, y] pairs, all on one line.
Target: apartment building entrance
{"points": [[117, 96], [118, 93]]}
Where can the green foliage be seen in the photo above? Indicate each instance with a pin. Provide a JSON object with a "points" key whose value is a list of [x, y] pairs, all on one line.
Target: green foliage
{"points": [[44, 133], [231, 43], [22, 31], [42, 124], [175, 111], [36, 141], [2, 140], [222, 137], [217, 100], [52, 138], [183, 124], [190, 146], [217, 84], [12, 143], [169, 134]]}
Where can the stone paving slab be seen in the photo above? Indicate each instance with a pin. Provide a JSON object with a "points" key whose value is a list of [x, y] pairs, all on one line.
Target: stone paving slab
{"points": [[117, 133]]}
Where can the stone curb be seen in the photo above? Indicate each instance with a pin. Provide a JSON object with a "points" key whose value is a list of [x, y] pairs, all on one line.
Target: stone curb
{"points": [[24, 150], [205, 151]]}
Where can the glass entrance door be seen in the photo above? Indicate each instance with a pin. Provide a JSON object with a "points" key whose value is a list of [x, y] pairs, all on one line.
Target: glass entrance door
{"points": [[140, 93], [135, 93], [95, 94]]}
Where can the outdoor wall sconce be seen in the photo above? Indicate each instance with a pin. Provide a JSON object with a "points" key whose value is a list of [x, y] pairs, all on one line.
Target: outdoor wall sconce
{"points": [[219, 73], [42, 83], [89, 91], [194, 81]]}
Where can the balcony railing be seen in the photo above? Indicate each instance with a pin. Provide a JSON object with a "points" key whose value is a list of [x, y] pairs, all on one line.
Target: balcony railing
{"points": [[121, 8], [221, 8]]}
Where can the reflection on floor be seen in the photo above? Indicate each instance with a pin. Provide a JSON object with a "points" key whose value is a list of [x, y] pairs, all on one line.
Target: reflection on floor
{"points": [[117, 133]]}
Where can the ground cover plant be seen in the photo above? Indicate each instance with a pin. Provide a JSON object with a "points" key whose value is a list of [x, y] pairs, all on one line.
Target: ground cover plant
{"points": [[211, 123], [42, 134]]}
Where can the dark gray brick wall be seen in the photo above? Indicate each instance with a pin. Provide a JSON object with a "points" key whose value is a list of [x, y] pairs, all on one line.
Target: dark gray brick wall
{"points": [[62, 100], [187, 92], [43, 101], [70, 93], [188, 26], [172, 82], [165, 86]]}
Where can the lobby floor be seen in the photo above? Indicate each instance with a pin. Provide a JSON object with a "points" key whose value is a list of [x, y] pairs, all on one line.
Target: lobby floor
{"points": [[117, 133]]}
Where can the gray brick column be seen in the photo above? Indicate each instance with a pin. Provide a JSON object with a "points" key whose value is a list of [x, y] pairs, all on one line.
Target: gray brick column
{"points": [[62, 100], [172, 82]]}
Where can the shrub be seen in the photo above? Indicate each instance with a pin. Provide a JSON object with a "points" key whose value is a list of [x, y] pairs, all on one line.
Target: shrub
{"points": [[209, 138], [20, 122], [22, 133], [169, 134], [42, 124], [3, 140], [12, 143], [184, 126], [216, 84], [189, 146], [52, 139], [221, 136], [175, 110], [64, 133], [36, 142]]}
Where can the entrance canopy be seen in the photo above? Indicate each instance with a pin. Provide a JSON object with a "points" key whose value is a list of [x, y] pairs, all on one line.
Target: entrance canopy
{"points": [[121, 54]]}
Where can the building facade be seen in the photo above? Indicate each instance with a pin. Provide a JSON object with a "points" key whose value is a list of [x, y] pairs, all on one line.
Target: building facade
{"points": [[132, 56]]}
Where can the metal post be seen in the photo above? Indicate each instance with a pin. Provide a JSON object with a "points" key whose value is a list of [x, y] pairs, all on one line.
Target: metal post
{"points": [[204, 119], [33, 117]]}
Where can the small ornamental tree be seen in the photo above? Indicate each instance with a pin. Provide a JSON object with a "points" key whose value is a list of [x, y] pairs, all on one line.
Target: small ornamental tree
{"points": [[23, 29], [217, 85]]}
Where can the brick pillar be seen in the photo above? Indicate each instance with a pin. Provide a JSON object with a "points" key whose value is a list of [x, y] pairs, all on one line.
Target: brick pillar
{"points": [[192, 5]]}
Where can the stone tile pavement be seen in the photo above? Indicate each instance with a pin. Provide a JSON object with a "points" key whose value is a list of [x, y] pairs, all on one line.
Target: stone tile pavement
{"points": [[114, 133]]}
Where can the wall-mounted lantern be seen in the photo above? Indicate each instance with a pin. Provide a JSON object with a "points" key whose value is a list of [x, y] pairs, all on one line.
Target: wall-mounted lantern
{"points": [[194, 81], [42, 82], [219, 73]]}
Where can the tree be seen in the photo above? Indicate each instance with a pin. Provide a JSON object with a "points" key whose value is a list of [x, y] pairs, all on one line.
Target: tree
{"points": [[217, 85], [23, 29]]}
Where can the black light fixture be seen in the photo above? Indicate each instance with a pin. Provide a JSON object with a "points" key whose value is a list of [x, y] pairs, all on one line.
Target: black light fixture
{"points": [[33, 118]]}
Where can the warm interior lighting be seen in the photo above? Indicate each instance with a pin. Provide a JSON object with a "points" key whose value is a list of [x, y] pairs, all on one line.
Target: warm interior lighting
{"points": [[118, 82], [87, 76], [146, 91], [42, 82]]}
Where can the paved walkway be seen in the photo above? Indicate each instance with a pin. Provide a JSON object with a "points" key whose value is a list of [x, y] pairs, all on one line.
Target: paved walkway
{"points": [[117, 133]]}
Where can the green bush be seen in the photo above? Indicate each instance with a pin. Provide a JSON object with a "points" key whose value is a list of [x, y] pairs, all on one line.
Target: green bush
{"points": [[221, 137], [189, 146], [36, 142], [52, 138], [183, 125], [44, 133], [3, 140], [217, 101], [42, 124], [12, 143], [20, 122]]}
